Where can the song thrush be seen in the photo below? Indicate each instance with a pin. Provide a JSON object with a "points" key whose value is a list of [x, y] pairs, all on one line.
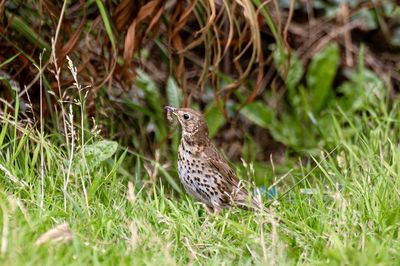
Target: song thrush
{"points": [[203, 172]]}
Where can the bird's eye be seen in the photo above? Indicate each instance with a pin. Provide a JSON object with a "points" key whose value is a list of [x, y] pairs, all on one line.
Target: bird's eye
{"points": [[186, 116]]}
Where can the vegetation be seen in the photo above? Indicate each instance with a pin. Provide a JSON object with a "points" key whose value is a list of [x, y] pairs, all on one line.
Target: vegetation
{"points": [[302, 99]]}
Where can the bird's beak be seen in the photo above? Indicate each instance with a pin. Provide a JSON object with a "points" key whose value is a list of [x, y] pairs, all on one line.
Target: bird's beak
{"points": [[171, 109]]}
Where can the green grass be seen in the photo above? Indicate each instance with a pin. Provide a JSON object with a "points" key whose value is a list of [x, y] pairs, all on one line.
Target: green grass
{"points": [[339, 206], [345, 210]]}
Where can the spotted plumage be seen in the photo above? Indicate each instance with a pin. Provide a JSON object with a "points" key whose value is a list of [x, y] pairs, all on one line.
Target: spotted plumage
{"points": [[204, 173]]}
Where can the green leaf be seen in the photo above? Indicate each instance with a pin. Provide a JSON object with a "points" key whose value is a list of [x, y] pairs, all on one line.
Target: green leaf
{"points": [[8, 86], [4, 126], [107, 22], [151, 93], [215, 120], [287, 131], [270, 22], [9, 60], [154, 103], [290, 74], [258, 113], [24, 28], [97, 153], [174, 95], [321, 74], [363, 90]]}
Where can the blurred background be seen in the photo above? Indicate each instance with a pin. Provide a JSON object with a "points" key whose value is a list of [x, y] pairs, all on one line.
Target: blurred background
{"points": [[269, 75]]}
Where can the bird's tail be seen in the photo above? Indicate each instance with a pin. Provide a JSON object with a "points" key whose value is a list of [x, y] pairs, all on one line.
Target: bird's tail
{"points": [[246, 201], [253, 204]]}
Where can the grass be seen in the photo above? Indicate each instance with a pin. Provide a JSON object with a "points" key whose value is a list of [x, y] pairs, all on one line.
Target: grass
{"points": [[344, 211], [340, 206]]}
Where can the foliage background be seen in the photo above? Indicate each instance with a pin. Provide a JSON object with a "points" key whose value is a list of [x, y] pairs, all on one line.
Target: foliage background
{"points": [[304, 93]]}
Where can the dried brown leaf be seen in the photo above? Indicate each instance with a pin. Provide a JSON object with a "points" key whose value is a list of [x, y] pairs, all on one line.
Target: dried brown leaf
{"points": [[134, 35], [71, 43], [211, 18], [155, 20], [50, 7], [125, 12]]}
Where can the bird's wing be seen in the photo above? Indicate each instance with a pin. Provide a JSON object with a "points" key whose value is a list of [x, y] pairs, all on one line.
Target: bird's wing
{"points": [[217, 162], [223, 168], [230, 181]]}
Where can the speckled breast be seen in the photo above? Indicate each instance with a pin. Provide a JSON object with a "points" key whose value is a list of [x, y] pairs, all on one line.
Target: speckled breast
{"points": [[197, 179]]}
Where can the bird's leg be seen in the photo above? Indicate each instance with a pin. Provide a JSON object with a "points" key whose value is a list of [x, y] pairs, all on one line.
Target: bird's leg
{"points": [[217, 210], [203, 225], [211, 211]]}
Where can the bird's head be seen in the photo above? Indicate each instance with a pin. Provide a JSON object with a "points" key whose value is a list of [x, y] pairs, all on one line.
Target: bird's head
{"points": [[192, 122]]}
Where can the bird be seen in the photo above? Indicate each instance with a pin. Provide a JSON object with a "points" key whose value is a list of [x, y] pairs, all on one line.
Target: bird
{"points": [[203, 171]]}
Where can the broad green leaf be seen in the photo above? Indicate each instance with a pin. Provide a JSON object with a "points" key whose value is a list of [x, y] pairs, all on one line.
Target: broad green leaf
{"points": [[152, 95], [97, 153], [287, 131], [290, 74], [174, 94], [258, 113], [320, 75], [215, 120], [364, 89], [154, 103]]}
